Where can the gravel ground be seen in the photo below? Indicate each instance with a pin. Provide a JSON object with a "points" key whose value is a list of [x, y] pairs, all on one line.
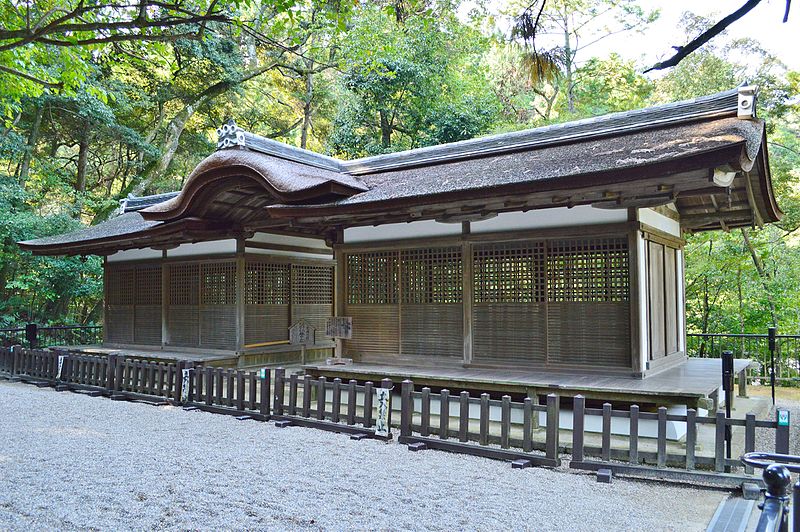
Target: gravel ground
{"points": [[69, 461]]}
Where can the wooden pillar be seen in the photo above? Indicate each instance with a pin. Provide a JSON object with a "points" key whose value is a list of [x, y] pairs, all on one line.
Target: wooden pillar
{"points": [[105, 299], [339, 286], [466, 293], [635, 302], [240, 295], [164, 300]]}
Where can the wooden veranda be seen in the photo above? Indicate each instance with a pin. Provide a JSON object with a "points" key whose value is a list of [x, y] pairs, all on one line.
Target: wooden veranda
{"points": [[695, 382]]}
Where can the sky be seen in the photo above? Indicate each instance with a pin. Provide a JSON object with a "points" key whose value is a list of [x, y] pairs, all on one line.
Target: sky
{"points": [[763, 23]]}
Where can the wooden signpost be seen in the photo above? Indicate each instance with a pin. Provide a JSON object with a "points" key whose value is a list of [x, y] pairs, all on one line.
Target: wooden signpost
{"points": [[339, 328], [302, 334]]}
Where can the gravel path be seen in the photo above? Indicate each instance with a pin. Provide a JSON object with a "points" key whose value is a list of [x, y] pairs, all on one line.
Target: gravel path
{"points": [[73, 462]]}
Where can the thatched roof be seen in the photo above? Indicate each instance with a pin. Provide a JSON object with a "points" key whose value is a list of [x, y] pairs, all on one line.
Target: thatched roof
{"points": [[663, 154]]}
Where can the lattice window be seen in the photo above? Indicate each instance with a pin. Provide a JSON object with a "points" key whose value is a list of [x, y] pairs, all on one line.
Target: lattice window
{"points": [[219, 283], [313, 285], [372, 278], [510, 272], [148, 285], [184, 284], [266, 283], [121, 285], [588, 269], [431, 275]]}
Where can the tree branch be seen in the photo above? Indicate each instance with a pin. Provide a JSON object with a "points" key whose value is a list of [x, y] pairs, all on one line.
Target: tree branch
{"points": [[683, 51], [36, 80]]}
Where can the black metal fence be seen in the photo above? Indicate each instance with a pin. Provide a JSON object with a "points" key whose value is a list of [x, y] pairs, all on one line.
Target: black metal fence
{"points": [[32, 335], [755, 347]]}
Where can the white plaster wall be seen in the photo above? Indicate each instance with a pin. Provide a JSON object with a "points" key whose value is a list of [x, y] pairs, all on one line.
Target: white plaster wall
{"points": [[555, 217], [681, 302], [644, 326], [202, 249], [135, 254], [659, 221], [271, 238], [419, 229]]}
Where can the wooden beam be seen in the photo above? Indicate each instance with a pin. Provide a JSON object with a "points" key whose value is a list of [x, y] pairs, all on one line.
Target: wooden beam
{"points": [[634, 257], [699, 220], [240, 295], [288, 247], [467, 297]]}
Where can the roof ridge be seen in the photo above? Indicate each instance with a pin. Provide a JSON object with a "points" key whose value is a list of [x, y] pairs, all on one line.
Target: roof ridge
{"points": [[722, 103]]}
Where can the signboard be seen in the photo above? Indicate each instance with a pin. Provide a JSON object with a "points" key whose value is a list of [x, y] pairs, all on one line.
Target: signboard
{"points": [[185, 385], [384, 401], [339, 327], [301, 333], [262, 373], [61, 366], [783, 418]]}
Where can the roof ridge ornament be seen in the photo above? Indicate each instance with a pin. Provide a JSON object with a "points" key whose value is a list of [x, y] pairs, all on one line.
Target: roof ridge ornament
{"points": [[746, 109], [230, 135]]}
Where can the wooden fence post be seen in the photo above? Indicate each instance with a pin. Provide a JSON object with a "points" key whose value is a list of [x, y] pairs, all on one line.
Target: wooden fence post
{"points": [[782, 431], [265, 392], [605, 452], [118, 378], [306, 412], [351, 401], [691, 437], [483, 438], [444, 414], [178, 391], [336, 407], [321, 397], [406, 407], [463, 417], [368, 404], [505, 421], [425, 414], [16, 351], [578, 409], [277, 407], [553, 414], [527, 424], [661, 445], [719, 443], [110, 372], [750, 439]]}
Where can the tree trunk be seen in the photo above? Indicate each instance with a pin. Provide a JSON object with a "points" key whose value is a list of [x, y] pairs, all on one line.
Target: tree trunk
{"points": [[33, 138], [307, 104], [83, 158], [386, 130], [568, 56], [178, 123], [763, 274]]}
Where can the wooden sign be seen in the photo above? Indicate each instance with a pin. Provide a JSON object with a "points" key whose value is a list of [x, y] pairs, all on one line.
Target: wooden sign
{"points": [[339, 327], [61, 367], [301, 333], [384, 401], [186, 375]]}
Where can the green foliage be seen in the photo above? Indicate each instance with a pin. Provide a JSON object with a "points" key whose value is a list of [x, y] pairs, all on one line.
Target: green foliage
{"points": [[42, 289]]}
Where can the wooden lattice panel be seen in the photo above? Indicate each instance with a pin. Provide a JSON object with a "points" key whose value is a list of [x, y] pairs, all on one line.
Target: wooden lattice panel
{"points": [[509, 333], [218, 283], [372, 278], [266, 323], [510, 272], [587, 270], [184, 284], [120, 285], [312, 285], [266, 283], [148, 285], [589, 333], [432, 330], [431, 275]]}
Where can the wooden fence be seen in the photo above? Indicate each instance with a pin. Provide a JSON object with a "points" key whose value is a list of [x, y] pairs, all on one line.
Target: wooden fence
{"points": [[523, 432], [350, 408]]}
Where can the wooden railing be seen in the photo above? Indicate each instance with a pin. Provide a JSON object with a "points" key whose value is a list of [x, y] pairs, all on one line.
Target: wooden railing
{"points": [[523, 432], [33, 335], [755, 347]]}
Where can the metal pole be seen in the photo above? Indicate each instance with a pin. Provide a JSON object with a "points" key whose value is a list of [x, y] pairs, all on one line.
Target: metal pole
{"points": [[796, 505], [727, 385], [772, 333]]}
